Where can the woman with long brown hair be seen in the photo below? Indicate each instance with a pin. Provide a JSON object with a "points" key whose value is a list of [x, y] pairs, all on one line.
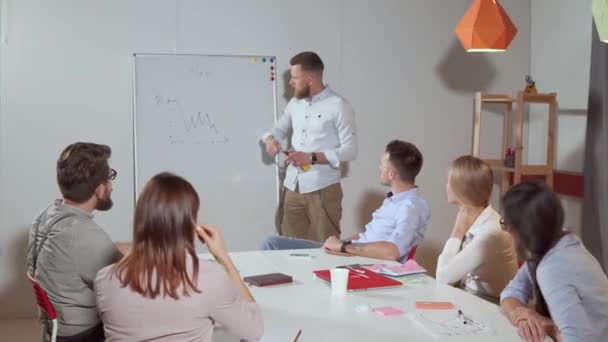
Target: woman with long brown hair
{"points": [[161, 290]]}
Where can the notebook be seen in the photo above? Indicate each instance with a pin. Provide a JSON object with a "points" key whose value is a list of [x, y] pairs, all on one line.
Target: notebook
{"points": [[409, 267], [268, 279], [364, 281]]}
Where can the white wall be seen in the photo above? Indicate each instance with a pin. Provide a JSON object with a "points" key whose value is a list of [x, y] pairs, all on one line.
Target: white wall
{"points": [[67, 67], [560, 61]]}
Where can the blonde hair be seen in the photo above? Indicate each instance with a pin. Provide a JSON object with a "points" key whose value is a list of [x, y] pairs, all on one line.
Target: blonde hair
{"points": [[471, 180]]}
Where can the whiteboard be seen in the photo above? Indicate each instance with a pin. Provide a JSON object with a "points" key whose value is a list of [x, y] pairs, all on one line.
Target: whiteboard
{"points": [[202, 117]]}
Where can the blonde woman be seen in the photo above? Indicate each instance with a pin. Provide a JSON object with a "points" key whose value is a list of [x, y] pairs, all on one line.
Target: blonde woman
{"points": [[479, 255]]}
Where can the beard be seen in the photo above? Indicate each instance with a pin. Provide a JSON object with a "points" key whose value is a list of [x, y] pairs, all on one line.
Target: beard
{"points": [[105, 203], [302, 93]]}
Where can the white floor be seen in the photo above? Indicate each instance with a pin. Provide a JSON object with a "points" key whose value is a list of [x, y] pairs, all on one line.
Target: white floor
{"points": [[20, 330]]}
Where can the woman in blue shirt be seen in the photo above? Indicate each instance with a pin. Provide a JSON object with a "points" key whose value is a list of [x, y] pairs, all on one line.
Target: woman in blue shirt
{"points": [[568, 284]]}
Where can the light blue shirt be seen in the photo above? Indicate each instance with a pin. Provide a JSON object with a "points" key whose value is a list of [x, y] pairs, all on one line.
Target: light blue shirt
{"points": [[575, 289], [402, 220], [324, 123]]}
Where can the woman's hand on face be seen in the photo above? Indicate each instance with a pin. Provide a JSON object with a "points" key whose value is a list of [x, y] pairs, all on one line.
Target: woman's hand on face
{"points": [[212, 237]]}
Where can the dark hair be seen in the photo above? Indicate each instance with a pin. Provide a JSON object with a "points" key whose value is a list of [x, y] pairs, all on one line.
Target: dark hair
{"points": [[81, 167], [534, 215], [309, 61], [406, 158], [163, 233]]}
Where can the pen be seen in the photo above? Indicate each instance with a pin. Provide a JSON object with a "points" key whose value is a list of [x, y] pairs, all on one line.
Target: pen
{"points": [[355, 270], [359, 273], [297, 336], [461, 315]]}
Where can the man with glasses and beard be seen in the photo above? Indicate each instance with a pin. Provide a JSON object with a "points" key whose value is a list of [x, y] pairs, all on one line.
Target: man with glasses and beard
{"points": [[67, 248], [323, 136]]}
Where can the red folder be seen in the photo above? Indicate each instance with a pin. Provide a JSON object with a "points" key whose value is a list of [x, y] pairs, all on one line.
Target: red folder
{"points": [[358, 282]]}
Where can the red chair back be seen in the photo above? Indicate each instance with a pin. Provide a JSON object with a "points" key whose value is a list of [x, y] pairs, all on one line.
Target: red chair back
{"points": [[42, 298]]}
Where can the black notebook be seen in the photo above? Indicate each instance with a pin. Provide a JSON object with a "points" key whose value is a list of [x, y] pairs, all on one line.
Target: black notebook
{"points": [[268, 279]]}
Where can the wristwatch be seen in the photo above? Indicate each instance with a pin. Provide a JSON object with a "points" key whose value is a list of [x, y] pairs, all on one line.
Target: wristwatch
{"points": [[313, 158], [343, 246]]}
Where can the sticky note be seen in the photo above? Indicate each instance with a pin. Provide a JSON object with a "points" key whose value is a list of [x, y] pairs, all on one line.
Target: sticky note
{"points": [[387, 311], [434, 305]]}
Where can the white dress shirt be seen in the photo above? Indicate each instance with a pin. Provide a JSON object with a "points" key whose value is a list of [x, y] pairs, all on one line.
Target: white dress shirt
{"points": [[325, 123], [485, 261]]}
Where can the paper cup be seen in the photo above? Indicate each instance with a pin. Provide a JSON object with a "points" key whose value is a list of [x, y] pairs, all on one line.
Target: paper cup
{"points": [[339, 280]]}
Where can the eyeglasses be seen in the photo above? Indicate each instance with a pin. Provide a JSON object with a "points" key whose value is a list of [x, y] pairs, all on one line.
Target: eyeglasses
{"points": [[113, 174]]}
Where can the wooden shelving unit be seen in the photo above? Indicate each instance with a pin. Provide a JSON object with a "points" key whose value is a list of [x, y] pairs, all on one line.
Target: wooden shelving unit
{"points": [[521, 101]]}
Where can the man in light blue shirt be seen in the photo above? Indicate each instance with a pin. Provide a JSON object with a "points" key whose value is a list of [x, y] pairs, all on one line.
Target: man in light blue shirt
{"points": [[323, 136], [396, 227]]}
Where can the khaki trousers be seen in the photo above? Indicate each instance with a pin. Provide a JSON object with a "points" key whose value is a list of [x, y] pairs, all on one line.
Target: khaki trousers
{"points": [[312, 216]]}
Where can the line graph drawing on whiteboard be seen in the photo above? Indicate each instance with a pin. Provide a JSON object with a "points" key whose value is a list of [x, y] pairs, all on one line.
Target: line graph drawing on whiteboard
{"points": [[189, 127]]}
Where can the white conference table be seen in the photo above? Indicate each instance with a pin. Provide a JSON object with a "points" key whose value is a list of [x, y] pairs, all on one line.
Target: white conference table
{"points": [[308, 304]]}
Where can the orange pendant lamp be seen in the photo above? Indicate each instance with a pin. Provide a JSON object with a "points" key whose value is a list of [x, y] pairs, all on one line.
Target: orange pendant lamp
{"points": [[485, 27]]}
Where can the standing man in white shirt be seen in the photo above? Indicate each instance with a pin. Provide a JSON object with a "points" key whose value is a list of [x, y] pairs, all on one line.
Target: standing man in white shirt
{"points": [[323, 137]]}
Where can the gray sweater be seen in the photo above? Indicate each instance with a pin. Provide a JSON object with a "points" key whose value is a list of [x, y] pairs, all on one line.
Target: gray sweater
{"points": [[70, 249]]}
